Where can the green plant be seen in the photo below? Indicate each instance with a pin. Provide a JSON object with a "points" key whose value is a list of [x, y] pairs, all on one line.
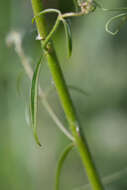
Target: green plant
{"points": [[82, 8], [60, 84]]}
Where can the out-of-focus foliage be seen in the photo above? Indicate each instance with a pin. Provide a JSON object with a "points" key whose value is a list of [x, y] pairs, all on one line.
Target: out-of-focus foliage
{"points": [[98, 65]]}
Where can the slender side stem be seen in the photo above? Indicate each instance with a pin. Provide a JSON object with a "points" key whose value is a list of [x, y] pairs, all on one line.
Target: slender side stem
{"points": [[51, 33], [66, 101], [66, 15]]}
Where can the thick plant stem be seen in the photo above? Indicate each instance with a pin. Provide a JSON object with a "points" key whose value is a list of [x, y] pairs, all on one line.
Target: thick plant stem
{"points": [[66, 100]]}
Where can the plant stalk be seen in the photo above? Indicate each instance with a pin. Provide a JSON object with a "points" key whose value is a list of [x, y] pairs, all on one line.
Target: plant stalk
{"points": [[66, 100]]}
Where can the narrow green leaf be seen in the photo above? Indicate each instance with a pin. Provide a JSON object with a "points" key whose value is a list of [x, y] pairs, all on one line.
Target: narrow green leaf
{"points": [[79, 90], [68, 36], [60, 164], [71, 87], [34, 97]]}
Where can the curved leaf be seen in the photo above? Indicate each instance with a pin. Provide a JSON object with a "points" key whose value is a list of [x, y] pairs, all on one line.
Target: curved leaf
{"points": [[34, 94], [48, 37], [60, 164], [68, 36], [45, 12], [79, 90], [99, 5], [124, 18], [51, 32], [71, 87]]}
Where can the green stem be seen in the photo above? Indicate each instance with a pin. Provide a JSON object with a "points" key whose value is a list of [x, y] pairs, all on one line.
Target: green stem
{"points": [[66, 100]]}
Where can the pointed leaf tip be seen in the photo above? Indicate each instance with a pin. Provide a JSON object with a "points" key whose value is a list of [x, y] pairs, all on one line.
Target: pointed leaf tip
{"points": [[36, 138], [34, 95], [60, 164]]}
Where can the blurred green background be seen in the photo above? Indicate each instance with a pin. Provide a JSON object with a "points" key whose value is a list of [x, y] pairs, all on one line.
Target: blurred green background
{"points": [[98, 65]]}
